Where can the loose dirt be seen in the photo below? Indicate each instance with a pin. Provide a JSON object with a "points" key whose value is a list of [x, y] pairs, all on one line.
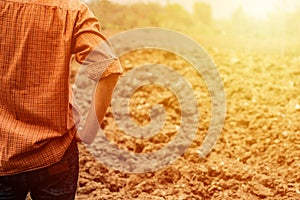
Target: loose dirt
{"points": [[256, 157]]}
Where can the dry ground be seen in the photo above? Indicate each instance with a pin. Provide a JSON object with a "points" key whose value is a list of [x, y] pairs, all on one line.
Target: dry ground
{"points": [[257, 155]]}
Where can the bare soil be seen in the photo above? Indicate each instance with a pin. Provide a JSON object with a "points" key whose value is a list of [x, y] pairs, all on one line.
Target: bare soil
{"points": [[256, 157]]}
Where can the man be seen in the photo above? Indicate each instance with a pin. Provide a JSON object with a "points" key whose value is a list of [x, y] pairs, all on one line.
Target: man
{"points": [[38, 150]]}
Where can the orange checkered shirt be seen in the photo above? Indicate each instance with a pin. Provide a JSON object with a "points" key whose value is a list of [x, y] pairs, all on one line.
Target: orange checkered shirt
{"points": [[37, 39]]}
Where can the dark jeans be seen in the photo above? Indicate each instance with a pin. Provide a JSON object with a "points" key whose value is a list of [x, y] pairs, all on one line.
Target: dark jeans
{"points": [[57, 182]]}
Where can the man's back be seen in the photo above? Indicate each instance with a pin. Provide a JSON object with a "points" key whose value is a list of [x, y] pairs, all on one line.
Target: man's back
{"points": [[37, 117], [37, 39]]}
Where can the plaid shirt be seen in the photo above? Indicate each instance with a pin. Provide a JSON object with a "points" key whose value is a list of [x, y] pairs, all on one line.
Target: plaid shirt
{"points": [[37, 39]]}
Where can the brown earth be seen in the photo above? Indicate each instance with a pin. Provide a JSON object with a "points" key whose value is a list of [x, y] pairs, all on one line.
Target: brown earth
{"points": [[256, 157]]}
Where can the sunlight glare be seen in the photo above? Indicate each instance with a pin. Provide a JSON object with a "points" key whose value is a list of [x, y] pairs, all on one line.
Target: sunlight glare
{"points": [[260, 9]]}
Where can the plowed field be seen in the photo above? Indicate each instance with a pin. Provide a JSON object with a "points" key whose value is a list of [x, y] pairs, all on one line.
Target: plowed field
{"points": [[256, 157]]}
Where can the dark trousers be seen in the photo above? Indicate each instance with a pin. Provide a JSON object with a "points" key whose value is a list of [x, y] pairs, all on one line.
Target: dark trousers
{"points": [[57, 182]]}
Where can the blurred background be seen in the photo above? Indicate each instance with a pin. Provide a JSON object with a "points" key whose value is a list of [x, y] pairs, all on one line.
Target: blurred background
{"points": [[269, 25]]}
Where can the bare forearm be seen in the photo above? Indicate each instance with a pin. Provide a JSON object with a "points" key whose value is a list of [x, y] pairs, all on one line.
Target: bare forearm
{"points": [[103, 95], [100, 103]]}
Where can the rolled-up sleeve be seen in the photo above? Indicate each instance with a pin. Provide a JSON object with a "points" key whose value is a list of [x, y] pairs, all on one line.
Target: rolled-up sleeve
{"points": [[92, 48]]}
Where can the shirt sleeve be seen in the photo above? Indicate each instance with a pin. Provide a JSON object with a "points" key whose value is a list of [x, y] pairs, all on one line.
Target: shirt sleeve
{"points": [[92, 48]]}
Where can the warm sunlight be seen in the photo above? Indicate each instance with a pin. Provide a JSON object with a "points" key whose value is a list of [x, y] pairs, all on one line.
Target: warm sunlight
{"points": [[223, 8], [255, 46], [260, 9]]}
